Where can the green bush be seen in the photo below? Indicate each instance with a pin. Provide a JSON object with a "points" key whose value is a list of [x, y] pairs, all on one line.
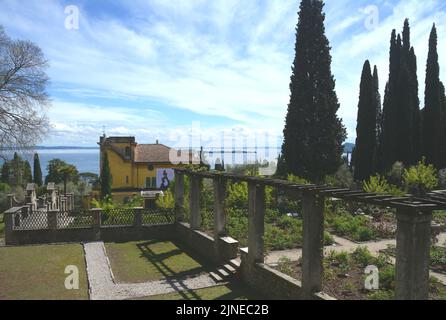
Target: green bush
{"points": [[378, 184], [387, 278], [167, 201], [356, 227], [362, 256], [420, 179], [328, 239]]}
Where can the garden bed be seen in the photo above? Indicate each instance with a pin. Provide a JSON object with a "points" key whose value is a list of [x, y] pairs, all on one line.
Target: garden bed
{"points": [[438, 258], [344, 277]]}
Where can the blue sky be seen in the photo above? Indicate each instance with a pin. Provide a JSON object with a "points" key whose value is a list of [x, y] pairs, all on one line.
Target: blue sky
{"points": [[152, 68]]}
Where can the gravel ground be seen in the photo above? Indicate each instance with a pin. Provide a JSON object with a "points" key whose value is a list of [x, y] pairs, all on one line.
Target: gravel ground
{"points": [[103, 287]]}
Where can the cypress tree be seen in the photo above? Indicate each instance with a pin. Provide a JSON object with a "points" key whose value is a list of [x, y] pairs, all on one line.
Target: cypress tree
{"points": [[365, 146], [37, 171], [390, 117], [432, 113], [379, 122], [313, 133], [443, 137], [27, 174], [106, 178]]}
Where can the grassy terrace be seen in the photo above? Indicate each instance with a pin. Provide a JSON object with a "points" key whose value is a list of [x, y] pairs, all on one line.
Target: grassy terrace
{"points": [[141, 261], [38, 272]]}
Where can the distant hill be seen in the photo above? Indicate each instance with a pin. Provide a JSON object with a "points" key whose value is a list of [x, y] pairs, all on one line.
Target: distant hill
{"points": [[64, 148], [348, 147]]}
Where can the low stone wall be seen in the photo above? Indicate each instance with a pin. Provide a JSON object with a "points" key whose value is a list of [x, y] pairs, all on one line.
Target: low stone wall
{"points": [[272, 283], [223, 250]]}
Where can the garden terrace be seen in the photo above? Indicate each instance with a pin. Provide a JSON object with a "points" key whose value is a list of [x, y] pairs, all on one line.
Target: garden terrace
{"points": [[413, 235]]}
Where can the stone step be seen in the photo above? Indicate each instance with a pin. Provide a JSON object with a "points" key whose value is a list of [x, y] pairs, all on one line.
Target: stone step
{"points": [[229, 268], [216, 277], [223, 273], [234, 263]]}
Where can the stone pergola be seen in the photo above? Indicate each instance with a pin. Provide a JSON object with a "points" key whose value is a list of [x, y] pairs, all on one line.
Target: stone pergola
{"points": [[413, 215]]}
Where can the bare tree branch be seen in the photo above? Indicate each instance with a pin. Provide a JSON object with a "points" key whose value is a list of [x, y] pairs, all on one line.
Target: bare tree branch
{"points": [[23, 97]]}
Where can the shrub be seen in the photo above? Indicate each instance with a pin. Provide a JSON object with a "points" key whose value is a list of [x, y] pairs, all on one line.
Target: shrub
{"points": [[378, 184], [420, 179], [356, 227], [442, 178], [297, 180], [343, 178], [362, 256], [167, 201], [381, 295], [387, 278], [328, 239]]}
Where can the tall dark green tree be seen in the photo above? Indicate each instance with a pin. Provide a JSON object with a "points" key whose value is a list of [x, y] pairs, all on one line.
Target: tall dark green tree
{"points": [[379, 122], [366, 143], [106, 177], [443, 137], [313, 133], [401, 136], [432, 113], [37, 179], [27, 173], [390, 116]]}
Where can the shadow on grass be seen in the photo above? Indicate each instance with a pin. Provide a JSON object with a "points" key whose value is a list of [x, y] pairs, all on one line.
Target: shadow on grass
{"points": [[175, 279]]}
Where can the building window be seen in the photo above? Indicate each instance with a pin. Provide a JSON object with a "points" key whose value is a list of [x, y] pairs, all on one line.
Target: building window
{"points": [[150, 167], [127, 179], [151, 182], [127, 152]]}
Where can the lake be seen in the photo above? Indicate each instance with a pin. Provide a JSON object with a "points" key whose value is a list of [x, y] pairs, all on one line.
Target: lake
{"points": [[85, 160]]}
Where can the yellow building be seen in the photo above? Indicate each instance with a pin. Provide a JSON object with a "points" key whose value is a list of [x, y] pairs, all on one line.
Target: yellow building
{"points": [[137, 169]]}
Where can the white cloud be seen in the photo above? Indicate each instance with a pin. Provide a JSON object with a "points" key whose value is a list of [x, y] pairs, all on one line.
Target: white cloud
{"points": [[223, 58]]}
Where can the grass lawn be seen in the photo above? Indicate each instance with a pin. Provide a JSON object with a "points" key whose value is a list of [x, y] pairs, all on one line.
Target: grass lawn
{"points": [[222, 292], [141, 261], [38, 272]]}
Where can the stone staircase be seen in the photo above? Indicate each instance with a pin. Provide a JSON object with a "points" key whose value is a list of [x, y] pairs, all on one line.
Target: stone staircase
{"points": [[225, 272]]}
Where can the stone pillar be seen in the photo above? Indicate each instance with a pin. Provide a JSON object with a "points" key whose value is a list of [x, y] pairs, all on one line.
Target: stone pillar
{"points": [[52, 219], [219, 207], [194, 202], [413, 242], [97, 217], [8, 218], [256, 222], [179, 197], [313, 243]]}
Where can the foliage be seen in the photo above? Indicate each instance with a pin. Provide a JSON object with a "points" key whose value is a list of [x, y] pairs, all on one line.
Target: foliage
{"points": [[37, 178], [356, 227], [284, 266], [297, 180], [56, 173], [68, 173], [105, 204], [106, 177], [378, 184], [16, 172], [313, 133], [167, 201], [343, 178], [401, 112], [420, 179], [366, 135], [432, 127]]}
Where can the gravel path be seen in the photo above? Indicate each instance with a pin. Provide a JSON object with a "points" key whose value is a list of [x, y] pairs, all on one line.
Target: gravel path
{"points": [[103, 287]]}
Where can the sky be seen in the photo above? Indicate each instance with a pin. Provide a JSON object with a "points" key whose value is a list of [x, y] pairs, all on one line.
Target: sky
{"points": [[172, 70]]}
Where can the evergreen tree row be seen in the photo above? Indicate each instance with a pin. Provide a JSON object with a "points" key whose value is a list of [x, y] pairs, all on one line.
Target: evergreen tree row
{"points": [[401, 132]]}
